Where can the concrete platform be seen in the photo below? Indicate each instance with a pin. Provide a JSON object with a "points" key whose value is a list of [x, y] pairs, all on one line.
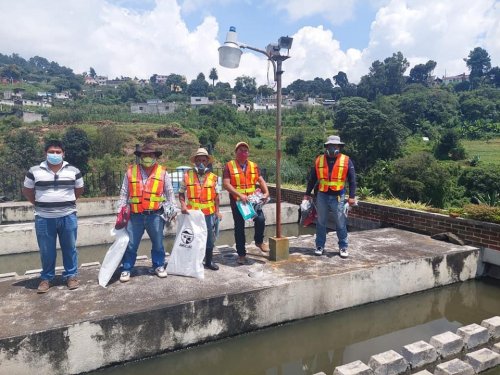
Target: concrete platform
{"points": [[69, 332]]}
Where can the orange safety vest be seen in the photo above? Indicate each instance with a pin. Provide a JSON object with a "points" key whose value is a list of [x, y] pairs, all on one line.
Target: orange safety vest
{"points": [[337, 178], [145, 196], [201, 197], [243, 182]]}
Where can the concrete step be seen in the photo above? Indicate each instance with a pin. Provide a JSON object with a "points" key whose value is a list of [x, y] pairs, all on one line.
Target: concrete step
{"points": [[95, 230]]}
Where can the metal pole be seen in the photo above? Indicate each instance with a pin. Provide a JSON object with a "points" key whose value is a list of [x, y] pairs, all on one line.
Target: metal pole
{"points": [[279, 72]]}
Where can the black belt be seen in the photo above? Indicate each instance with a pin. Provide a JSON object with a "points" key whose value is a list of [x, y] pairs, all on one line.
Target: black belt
{"points": [[152, 212]]}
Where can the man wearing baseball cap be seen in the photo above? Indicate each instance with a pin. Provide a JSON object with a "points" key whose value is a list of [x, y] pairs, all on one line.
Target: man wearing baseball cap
{"points": [[331, 171], [239, 179]]}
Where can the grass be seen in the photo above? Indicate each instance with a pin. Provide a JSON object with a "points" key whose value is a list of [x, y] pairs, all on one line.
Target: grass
{"points": [[488, 151]]}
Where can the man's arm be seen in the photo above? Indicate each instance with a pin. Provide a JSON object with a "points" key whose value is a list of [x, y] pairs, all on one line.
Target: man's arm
{"points": [[351, 178], [78, 192], [263, 187], [311, 182], [29, 194]]}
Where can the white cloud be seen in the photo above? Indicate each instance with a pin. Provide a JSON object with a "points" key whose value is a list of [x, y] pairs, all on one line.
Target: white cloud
{"points": [[444, 31], [336, 12]]}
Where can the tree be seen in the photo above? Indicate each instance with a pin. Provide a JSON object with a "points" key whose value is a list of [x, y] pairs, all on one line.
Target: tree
{"points": [[245, 88], [479, 63], [198, 86], [341, 79], [368, 133], [213, 76], [294, 143], [421, 73], [420, 178], [385, 78], [449, 146], [77, 146], [24, 150]]}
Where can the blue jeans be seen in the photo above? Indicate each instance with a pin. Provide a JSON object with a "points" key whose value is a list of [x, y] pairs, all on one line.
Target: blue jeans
{"points": [[209, 248], [324, 204], [47, 230], [153, 224]]}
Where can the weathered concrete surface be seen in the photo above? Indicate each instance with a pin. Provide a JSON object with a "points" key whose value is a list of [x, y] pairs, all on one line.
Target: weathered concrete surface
{"points": [[68, 332], [95, 230]]}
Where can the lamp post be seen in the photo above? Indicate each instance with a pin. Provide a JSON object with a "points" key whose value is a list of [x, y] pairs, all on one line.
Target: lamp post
{"points": [[229, 57]]}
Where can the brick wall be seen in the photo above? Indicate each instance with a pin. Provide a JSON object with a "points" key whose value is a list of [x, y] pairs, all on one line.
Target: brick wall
{"points": [[475, 233]]}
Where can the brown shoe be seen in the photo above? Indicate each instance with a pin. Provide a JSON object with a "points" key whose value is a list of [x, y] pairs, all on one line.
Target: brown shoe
{"points": [[43, 287], [73, 283], [263, 247], [242, 260]]}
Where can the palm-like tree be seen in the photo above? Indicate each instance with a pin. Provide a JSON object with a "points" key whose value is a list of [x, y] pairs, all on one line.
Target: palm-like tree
{"points": [[213, 76]]}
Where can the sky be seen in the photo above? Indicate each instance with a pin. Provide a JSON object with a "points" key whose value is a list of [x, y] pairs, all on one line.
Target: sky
{"points": [[139, 38]]}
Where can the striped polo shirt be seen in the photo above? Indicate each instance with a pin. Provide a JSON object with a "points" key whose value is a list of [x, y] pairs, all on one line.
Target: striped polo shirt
{"points": [[54, 192]]}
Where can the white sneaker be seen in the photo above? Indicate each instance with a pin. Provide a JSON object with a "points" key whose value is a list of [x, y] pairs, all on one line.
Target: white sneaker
{"points": [[344, 253], [161, 272], [125, 276], [319, 251]]}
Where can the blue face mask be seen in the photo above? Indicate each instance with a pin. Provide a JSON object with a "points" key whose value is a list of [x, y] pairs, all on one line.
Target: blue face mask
{"points": [[54, 159]]}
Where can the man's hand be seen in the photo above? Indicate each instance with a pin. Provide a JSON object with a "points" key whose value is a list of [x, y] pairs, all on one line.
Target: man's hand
{"points": [[219, 215], [307, 197], [351, 201], [184, 208], [243, 198]]}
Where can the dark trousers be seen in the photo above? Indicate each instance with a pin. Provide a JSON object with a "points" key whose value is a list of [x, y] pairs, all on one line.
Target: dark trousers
{"points": [[239, 229]]}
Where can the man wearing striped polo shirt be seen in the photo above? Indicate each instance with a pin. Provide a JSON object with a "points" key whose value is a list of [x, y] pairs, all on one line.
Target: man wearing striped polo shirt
{"points": [[53, 188]]}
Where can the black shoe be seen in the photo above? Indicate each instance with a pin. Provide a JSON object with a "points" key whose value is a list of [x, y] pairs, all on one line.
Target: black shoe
{"points": [[212, 266]]}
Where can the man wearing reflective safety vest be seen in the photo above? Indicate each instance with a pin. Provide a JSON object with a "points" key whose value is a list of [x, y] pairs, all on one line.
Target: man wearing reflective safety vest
{"points": [[146, 187], [330, 173], [200, 188], [239, 179]]}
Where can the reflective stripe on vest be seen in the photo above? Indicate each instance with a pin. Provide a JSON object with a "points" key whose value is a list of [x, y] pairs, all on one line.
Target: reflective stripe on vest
{"points": [[201, 197], [243, 182], [337, 178], [145, 196]]}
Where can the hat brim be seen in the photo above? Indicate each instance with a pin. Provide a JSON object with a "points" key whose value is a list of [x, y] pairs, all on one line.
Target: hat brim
{"points": [[157, 153], [210, 158], [335, 143]]}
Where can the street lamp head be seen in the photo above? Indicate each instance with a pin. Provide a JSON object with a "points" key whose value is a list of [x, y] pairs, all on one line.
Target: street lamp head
{"points": [[230, 52], [285, 42]]}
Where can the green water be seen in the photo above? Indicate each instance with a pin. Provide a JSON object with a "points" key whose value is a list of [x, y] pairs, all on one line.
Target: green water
{"points": [[322, 343]]}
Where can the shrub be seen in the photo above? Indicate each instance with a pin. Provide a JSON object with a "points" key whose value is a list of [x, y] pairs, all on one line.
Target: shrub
{"points": [[483, 212]]}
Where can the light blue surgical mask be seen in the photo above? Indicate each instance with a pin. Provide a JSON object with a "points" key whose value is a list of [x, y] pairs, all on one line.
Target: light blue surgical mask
{"points": [[54, 159]]}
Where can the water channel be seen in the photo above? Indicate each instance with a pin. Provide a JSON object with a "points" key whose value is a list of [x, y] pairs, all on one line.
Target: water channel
{"points": [[27, 261], [322, 343]]}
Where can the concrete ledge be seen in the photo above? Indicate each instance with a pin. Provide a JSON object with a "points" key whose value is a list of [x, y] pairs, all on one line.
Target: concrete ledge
{"points": [[454, 367], [95, 230], [483, 360], [97, 325], [473, 335]]}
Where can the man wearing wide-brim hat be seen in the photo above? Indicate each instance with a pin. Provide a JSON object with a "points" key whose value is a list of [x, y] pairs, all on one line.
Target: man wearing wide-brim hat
{"points": [[199, 187], [240, 177], [330, 173], [146, 188]]}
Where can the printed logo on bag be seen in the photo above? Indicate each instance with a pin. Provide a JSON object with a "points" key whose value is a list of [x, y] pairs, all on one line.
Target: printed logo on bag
{"points": [[187, 238]]}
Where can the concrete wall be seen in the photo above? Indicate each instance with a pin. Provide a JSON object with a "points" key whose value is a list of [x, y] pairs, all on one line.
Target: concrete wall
{"points": [[96, 218], [235, 306], [472, 232]]}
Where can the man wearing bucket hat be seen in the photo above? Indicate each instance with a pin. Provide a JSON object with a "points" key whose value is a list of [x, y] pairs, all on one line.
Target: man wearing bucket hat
{"points": [[330, 173], [199, 186], [146, 188], [239, 179]]}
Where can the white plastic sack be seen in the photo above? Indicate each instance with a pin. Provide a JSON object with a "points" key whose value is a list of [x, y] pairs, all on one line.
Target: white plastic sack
{"points": [[189, 246], [114, 256]]}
